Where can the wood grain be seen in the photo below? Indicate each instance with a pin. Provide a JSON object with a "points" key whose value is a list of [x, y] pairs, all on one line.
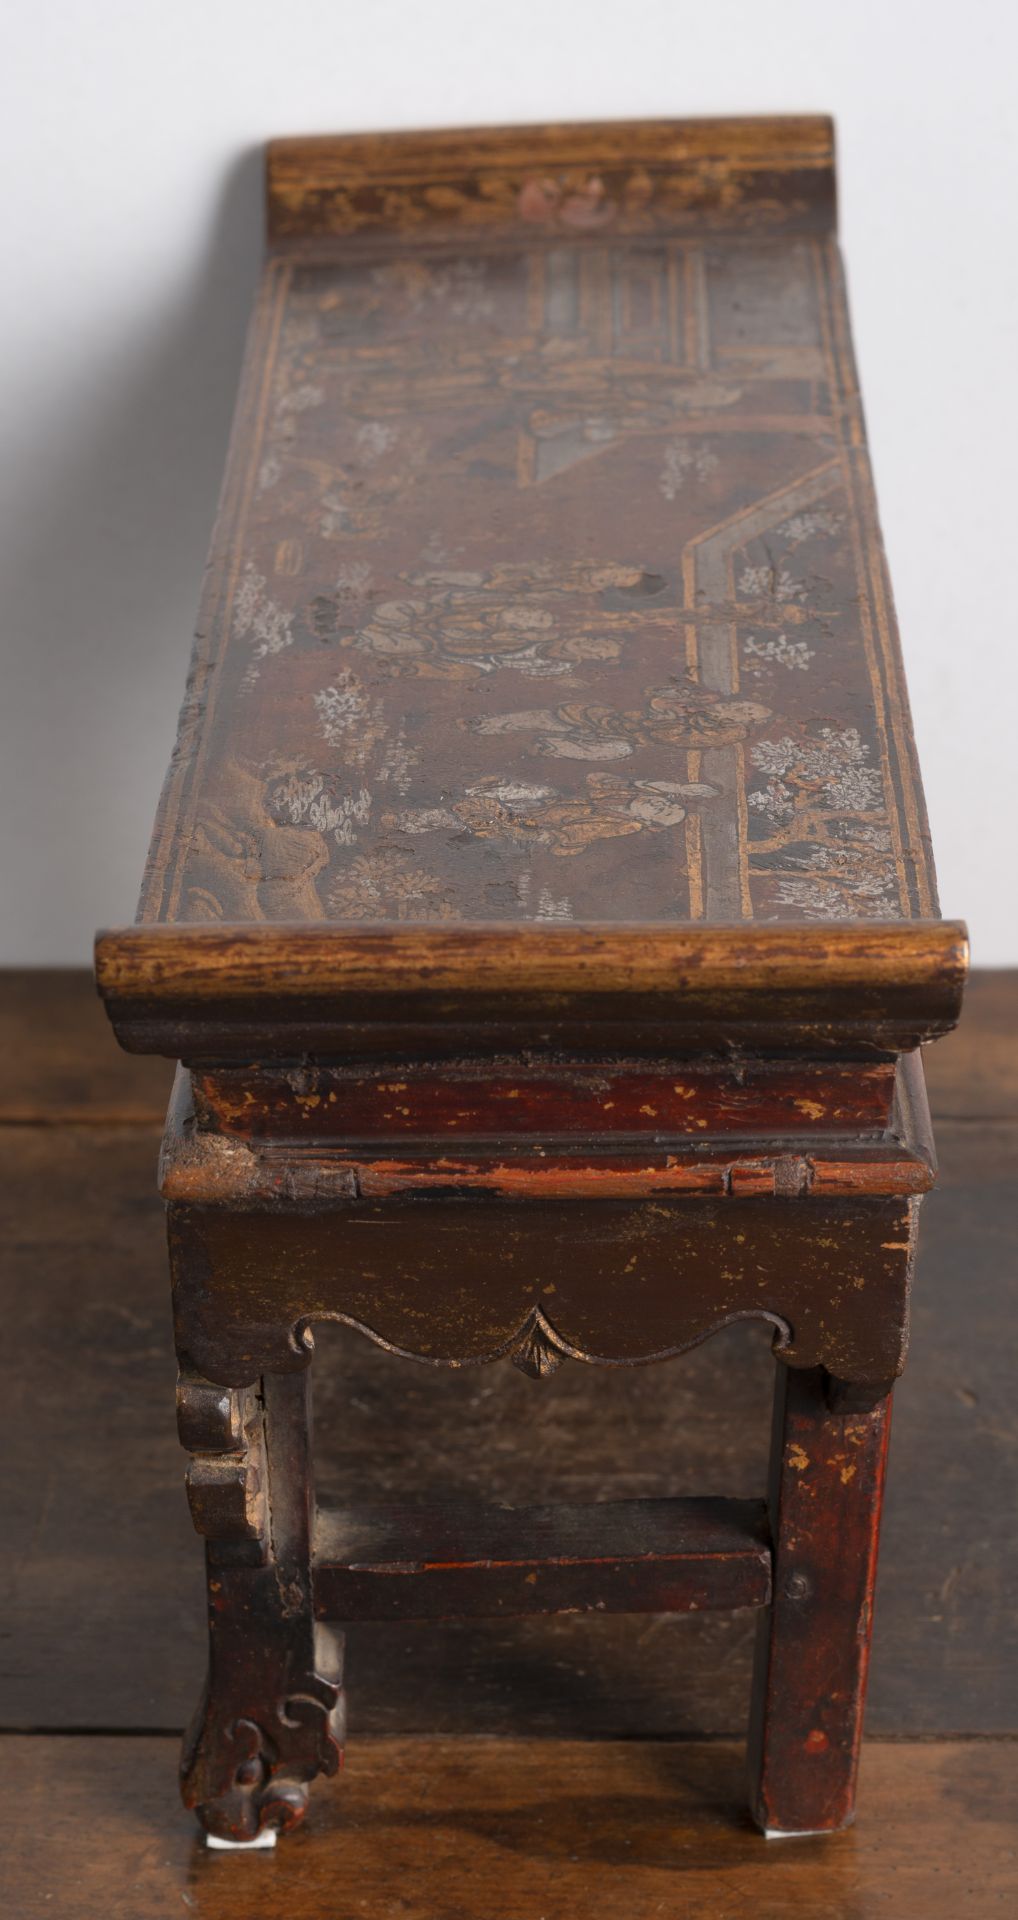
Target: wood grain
{"points": [[323, 963], [630, 176], [973, 1075], [813, 1649], [473, 1280], [522, 1830], [435, 1560], [61, 1063], [201, 1166], [185, 990], [544, 1099]]}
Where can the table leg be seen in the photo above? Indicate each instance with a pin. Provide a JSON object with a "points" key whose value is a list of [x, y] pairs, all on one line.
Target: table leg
{"points": [[270, 1718], [827, 1478]]}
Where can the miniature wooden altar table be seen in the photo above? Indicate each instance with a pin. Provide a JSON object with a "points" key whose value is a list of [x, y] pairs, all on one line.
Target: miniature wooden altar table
{"points": [[540, 902]]}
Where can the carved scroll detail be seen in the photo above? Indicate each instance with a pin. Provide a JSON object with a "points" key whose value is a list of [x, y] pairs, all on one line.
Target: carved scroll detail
{"points": [[222, 1429], [535, 1347], [830, 1277], [249, 1772], [271, 1713]]}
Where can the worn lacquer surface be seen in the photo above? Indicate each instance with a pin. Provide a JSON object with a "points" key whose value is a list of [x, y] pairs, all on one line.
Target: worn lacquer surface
{"points": [[547, 585]]}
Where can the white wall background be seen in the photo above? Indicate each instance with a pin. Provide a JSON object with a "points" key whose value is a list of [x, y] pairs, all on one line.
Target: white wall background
{"points": [[130, 199]]}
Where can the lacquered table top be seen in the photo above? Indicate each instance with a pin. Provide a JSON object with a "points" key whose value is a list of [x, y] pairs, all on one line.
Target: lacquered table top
{"points": [[548, 585]]}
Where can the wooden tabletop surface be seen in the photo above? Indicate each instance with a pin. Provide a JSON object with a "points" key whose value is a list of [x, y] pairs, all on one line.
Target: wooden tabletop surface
{"points": [[431, 1829], [547, 584]]}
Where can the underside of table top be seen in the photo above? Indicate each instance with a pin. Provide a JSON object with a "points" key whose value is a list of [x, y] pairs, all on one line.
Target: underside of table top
{"points": [[547, 585]]}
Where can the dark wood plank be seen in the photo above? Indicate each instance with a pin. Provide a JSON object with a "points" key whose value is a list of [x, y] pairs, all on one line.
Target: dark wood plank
{"points": [[61, 1062], [101, 1590], [518, 1829], [90, 1377], [949, 1569], [439, 1559], [973, 1073]]}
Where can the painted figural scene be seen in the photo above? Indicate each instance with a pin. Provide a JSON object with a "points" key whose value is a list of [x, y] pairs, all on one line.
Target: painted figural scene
{"points": [[541, 906], [615, 479]]}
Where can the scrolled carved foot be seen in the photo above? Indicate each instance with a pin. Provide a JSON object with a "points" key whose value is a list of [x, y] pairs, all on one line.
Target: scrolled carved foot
{"points": [[242, 1772]]}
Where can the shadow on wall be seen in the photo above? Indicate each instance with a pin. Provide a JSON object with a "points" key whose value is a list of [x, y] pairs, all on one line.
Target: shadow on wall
{"points": [[101, 577]]}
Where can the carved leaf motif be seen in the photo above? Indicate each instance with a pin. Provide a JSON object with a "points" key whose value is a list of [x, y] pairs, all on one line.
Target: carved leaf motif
{"points": [[537, 1352]]}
